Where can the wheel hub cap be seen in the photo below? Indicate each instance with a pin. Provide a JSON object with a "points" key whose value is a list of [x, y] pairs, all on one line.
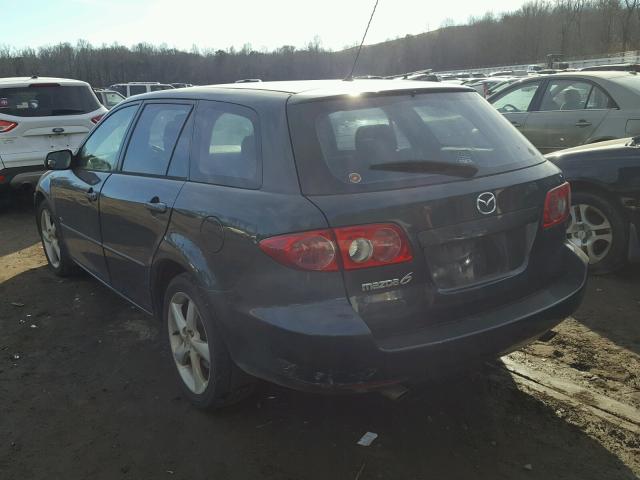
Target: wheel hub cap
{"points": [[189, 343], [590, 230]]}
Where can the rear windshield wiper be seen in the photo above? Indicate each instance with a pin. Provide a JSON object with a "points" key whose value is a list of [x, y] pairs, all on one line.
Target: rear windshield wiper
{"points": [[465, 170]]}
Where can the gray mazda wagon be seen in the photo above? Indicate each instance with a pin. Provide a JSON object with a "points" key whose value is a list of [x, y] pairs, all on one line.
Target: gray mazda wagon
{"points": [[322, 235]]}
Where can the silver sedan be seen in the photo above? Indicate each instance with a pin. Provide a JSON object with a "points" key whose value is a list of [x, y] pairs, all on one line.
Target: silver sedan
{"points": [[573, 108]]}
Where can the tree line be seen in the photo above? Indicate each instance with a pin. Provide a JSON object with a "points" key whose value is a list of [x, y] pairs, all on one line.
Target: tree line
{"points": [[575, 28]]}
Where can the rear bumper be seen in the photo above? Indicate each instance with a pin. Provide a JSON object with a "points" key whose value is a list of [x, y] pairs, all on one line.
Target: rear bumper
{"points": [[327, 347]]}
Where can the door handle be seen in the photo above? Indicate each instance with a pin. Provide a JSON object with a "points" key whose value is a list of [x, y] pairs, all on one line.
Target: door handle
{"points": [[91, 195], [155, 205], [515, 124], [582, 123]]}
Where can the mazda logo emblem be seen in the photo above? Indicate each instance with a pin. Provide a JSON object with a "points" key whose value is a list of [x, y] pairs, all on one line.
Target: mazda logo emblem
{"points": [[486, 203]]}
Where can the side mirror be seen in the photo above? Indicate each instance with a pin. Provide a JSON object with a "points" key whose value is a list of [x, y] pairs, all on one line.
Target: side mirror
{"points": [[60, 160]]}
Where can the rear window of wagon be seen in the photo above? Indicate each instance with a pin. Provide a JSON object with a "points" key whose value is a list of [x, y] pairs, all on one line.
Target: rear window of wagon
{"points": [[47, 100], [383, 142]]}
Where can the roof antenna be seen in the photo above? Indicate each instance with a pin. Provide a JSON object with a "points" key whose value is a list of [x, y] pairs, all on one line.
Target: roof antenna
{"points": [[349, 77]]}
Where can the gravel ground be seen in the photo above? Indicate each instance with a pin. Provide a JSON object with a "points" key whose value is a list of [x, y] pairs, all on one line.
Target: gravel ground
{"points": [[87, 391]]}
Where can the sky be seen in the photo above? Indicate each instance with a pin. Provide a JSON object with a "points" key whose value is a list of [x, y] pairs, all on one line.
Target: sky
{"points": [[214, 24]]}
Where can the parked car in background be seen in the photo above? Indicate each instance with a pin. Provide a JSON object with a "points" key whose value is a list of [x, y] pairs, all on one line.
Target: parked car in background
{"points": [[568, 109], [486, 86], [39, 115], [324, 235], [628, 67], [137, 88], [605, 212], [108, 98], [181, 85], [498, 87], [423, 77]]}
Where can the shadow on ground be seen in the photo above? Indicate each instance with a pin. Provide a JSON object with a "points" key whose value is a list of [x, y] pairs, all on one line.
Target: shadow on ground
{"points": [[17, 226], [611, 307], [92, 395]]}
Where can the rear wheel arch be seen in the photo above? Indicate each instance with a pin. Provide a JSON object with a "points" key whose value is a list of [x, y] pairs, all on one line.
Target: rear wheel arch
{"points": [[596, 189], [162, 273], [39, 198]]}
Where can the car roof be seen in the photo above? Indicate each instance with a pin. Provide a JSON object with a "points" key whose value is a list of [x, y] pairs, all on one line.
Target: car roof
{"points": [[22, 81], [306, 90], [596, 74]]}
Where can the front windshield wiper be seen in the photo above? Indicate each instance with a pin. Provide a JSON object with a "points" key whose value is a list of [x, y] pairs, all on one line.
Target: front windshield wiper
{"points": [[428, 166]]}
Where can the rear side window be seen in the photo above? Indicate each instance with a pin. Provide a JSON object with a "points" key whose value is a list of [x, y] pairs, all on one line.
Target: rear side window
{"points": [[47, 100], [227, 148], [122, 89], [112, 99], [154, 138], [137, 89], [396, 141]]}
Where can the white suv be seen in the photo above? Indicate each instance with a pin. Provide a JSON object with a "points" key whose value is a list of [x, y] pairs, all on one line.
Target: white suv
{"points": [[39, 115]]}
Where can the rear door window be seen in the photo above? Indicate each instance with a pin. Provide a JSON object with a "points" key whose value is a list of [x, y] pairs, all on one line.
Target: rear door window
{"points": [[227, 147], [402, 140], [137, 89], [179, 166], [565, 95], [154, 138], [47, 100]]}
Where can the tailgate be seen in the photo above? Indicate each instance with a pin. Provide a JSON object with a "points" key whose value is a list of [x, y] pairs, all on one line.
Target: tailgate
{"points": [[464, 260]]}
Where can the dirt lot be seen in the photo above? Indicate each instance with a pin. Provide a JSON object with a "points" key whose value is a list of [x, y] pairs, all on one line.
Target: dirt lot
{"points": [[86, 391]]}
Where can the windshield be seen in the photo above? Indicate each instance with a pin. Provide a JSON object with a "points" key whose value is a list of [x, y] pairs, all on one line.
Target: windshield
{"points": [[47, 100], [379, 143]]}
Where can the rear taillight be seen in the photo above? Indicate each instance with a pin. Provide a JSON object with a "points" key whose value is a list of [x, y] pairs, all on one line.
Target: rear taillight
{"points": [[557, 205], [372, 245], [6, 126], [362, 246], [97, 119], [315, 250]]}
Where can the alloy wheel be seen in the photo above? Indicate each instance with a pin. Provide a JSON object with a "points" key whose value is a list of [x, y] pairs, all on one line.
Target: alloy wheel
{"points": [[590, 230], [189, 343], [50, 238]]}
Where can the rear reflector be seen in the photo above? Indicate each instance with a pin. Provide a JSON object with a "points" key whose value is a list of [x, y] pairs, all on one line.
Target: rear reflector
{"points": [[362, 246], [6, 126], [557, 205], [97, 119]]}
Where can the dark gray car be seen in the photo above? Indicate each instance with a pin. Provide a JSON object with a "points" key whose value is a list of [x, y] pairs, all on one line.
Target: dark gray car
{"points": [[323, 235]]}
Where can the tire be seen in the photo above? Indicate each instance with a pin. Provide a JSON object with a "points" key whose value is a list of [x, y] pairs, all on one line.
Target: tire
{"points": [[600, 229], [58, 257], [192, 335]]}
